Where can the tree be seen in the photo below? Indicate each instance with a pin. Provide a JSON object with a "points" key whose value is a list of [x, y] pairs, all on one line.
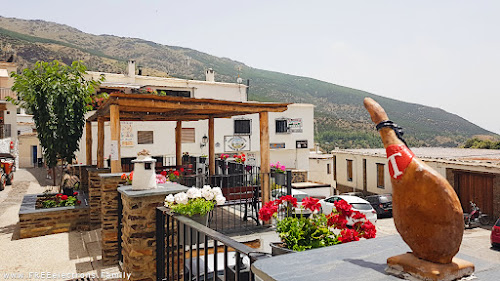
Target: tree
{"points": [[58, 96]]}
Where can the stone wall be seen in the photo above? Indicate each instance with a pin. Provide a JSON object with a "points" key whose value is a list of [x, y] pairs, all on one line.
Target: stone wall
{"points": [[38, 222], [299, 176], [109, 216], [82, 173], [139, 229], [94, 182]]}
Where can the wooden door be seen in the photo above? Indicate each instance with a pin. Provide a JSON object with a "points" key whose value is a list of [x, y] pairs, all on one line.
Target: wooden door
{"points": [[475, 187]]}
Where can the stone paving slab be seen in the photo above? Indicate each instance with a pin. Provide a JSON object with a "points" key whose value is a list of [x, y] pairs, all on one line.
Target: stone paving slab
{"points": [[69, 253]]}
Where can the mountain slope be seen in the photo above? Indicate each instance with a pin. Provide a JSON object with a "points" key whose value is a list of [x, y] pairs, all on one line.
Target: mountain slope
{"points": [[340, 119]]}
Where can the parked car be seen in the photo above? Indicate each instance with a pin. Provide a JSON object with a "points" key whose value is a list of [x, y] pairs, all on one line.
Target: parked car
{"points": [[355, 193], [495, 235], [358, 204], [382, 203], [300, 195]]}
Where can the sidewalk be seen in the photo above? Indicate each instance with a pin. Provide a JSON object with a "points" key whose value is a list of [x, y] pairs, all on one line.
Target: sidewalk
{"points": [[77, 252]]}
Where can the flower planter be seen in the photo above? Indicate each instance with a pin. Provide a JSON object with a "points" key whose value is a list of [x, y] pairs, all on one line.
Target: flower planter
{"points": [[278, 248], [203, 160], [192, 240], [279, 178]]}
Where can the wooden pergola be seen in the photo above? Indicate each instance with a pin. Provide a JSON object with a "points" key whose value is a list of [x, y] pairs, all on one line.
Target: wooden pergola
{"points": [[140, 107]]}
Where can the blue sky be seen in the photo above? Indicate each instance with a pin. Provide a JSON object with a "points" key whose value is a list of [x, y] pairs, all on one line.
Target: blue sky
{"points": [[443, 54]]}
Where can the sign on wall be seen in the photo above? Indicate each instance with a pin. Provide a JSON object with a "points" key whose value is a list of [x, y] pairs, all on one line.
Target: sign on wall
{"points": [[236, 143], [127, 134], [114, 150], [277, 145], [301, 144], [295, 125]]}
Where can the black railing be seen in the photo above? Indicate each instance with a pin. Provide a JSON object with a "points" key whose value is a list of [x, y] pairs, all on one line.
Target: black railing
{"points": [[188, 250], [281, 185]]}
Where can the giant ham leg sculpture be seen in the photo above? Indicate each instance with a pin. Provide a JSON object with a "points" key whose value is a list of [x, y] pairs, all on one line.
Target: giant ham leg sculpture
{"points": [[427, 212]]}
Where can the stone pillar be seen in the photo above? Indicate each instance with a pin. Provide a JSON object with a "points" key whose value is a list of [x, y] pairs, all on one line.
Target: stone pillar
{"points": [[139, 228], [94, 182], [109, 217]]}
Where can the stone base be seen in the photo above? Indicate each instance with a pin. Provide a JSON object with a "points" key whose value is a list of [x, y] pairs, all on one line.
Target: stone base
{"points": [[409, 266]]}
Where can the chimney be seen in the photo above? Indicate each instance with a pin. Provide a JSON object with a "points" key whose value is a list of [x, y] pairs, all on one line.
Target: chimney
{"points": [[210, 75], [131, 68]]}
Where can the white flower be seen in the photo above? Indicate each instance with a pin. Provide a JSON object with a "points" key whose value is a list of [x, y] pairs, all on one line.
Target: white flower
{"points": [[216, 191], [207, 194], [206, 186], [170, 198], [220, 199], [181, 198], [193, 192]]}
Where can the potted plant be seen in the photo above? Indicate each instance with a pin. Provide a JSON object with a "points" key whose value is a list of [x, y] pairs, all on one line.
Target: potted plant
{"points": [[57, 200], [196, 203], [278, 173], [298, 233]]}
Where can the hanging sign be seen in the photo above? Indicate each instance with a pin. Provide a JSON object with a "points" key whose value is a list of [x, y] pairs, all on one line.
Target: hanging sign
{"points": [[127, 135], [295, 125], [236, 143]]}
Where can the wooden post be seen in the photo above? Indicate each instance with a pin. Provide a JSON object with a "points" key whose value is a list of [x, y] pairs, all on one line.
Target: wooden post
{"points": [[100, 142], [264, 156], [88, 142], [178, 144], [211, 146], [114, 123]]}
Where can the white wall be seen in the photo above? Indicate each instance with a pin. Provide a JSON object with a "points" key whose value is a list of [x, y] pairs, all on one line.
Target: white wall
{"points": [[318, 170]]}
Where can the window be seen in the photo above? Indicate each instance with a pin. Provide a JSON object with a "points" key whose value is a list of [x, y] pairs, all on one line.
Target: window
{"points": [[173, 93], [144, 137], [281, 126], [7, 131], [328, 170], [380, 175], [335, 168], [242, 127], [349, 170], [188, 135]]}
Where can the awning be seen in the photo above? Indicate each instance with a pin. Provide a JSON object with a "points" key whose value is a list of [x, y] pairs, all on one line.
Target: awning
{"points": [[119, 85]]}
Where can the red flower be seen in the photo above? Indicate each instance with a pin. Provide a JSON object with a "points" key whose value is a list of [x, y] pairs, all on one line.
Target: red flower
{"points": [[78, 202], [358, 216], [58, 195], [124, 176], [164, 173], [369, 230], [75, 193], [176, 173], [348, 235], [290, 199], [336, 220], [311, 203], [64, 197], [182, 169], [267, 211], [343, 208], [131, 176]]}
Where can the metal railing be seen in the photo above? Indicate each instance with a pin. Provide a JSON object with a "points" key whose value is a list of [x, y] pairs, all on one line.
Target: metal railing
{"points": [[188, 250]]}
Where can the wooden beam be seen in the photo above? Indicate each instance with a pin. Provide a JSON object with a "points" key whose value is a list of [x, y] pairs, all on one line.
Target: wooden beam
{"points": [[264, 156], [100, 143], [211, 146], [114, 123], [88, 142], [178, 144]]}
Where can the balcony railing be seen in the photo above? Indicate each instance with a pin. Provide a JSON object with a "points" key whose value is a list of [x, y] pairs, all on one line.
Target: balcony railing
{"points": [[7, 92]]}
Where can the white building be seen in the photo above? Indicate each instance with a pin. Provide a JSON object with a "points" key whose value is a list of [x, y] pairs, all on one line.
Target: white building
{"points": [[474, 173], [291, 132], [8, 123]]}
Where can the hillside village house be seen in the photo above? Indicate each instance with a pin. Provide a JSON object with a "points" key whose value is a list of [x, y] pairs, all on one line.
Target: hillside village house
{"points": [[8, 123], [291, 132], [474, 173]]}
